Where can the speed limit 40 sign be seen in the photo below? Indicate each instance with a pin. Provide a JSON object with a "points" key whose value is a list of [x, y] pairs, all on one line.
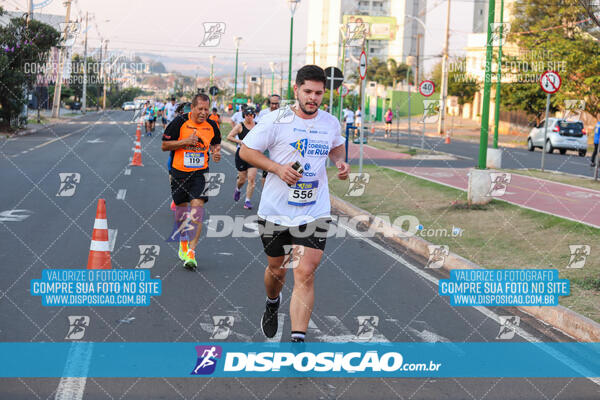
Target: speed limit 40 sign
{"points": [[426, 88]]}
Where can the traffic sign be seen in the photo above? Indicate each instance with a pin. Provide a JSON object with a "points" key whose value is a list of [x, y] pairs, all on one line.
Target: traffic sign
{"points": [[338, 77], [362, 65], [550, 82], [213, 90], [426, 88], [344, 90]]}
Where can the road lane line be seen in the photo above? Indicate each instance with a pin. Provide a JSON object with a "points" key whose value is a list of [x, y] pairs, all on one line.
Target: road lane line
{"points": [[485, 311], [72, 384], [127, 171], [121, 194], [112, 238]]}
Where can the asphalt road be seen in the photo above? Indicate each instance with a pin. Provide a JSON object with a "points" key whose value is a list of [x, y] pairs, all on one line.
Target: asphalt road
{"points": [[358, 277], [512, 158]]}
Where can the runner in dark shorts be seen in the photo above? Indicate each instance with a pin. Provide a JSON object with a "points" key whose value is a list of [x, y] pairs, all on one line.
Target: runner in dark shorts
{"points": [[191, 138]]}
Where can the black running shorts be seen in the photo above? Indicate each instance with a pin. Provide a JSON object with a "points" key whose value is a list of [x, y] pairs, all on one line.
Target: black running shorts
{"points": [[240, 164], [274, 237], [188, 187]]}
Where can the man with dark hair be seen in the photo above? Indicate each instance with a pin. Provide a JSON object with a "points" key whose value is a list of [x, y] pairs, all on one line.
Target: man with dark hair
{"points": [[189, 138], [294, 211], [274, 101]]}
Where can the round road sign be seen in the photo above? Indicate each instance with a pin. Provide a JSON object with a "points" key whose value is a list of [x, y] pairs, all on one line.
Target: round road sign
{"points": [[343, 90], [426, 88], [550, 82], [338, 77]]}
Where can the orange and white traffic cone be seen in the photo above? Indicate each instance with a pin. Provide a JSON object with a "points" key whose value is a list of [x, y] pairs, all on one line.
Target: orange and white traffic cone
{"points": [[138, 131], [137, 154], [99, 257], [447, 141], [138, 135]]}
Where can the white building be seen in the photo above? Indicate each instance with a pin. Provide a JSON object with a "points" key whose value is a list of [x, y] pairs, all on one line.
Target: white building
{"points": [[325, 18]]}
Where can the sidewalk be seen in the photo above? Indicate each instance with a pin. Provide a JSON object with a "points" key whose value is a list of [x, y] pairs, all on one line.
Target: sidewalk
{"points": [[570, 202]]}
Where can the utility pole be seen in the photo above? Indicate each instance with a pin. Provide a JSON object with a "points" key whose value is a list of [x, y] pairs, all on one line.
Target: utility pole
{"points": [[84, 90], [418, 58], [30, 11], [485, 113], [260, 89], [314, 53], [59, 70], [444, 89], [498, 78], [245, 65], [104, 77]]}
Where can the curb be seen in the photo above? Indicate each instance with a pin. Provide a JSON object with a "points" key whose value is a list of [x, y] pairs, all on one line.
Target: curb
{"points": [[27, 132], [569, 322]]}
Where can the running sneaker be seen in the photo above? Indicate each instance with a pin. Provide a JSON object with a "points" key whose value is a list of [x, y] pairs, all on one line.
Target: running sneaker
{"points": [[181, 252], [236, 195], [248, 205], [190, 259], [268, 322]]}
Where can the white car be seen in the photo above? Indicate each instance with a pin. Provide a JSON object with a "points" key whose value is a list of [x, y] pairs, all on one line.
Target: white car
{"points": [[562, 135], [128, 106]]}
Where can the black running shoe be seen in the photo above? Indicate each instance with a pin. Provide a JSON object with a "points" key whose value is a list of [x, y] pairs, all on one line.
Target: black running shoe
{"points": [[268, 321]]}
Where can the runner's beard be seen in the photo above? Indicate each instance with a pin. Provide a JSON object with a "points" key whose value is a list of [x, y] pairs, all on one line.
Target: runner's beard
{"points": [[305, 111]]}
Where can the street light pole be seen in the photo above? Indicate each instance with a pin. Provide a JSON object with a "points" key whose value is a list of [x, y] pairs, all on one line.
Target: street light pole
{"points": [[212, 76], [237, 40], [293, 4], [272, 65], [62, 53], [444, 88], [485, 113], [245, 64], [498, 79], [84, 89]]}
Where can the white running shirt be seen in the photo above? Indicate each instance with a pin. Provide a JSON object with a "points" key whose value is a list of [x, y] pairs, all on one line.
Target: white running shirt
{"points": [[170, 111], [307, 141], [237, 117], [262, 113]]}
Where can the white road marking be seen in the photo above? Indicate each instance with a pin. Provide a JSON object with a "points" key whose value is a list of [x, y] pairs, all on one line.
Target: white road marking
{"points": [[112, 238], [77, 365], [225, 151], [485, 311], [121, 194], [127, 171], [14, 215]]}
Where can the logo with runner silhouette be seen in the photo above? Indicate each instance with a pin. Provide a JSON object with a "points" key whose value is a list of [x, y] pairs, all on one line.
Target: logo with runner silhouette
{"points": [[437, 256], [357, 183], [508, 325], [68, 183], [213, 183], [573, 110], [187, 220], [293, 254], [213, 31], [499, 33], [148, 255], [223, 325], [285, 115], [77, 326], [366, 326], [300, 146], [499, 183], [431, 111], [579, 254], [207, 359]]}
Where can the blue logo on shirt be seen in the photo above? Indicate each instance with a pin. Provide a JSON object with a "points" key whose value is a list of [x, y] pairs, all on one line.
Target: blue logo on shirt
{"points": [[300, 146]]}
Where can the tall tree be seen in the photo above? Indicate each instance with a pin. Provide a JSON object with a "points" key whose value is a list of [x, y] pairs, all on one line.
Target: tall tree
{"points": [[558, 34], [22, 46]]}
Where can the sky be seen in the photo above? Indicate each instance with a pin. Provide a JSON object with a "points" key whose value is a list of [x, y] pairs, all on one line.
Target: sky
{"points": [[174, 29]]}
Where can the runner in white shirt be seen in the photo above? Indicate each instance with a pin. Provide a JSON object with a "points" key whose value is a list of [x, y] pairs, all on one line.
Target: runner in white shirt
{"points": [[170, 108], [274, 102], [294, 210], [237, 117]]}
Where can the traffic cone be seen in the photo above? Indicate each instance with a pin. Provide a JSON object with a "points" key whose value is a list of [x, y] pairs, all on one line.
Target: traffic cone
{"points": [[137, 154], [138, 131], [99, 257], [138, 135], [447, 141]]}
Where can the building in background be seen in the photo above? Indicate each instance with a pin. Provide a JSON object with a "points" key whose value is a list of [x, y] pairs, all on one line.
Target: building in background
{"points": [[324, 46]]}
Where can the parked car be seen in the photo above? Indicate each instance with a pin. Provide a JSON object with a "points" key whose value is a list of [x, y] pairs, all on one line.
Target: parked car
{"points": [[562, 135], [128, 106], [75, 105]]}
